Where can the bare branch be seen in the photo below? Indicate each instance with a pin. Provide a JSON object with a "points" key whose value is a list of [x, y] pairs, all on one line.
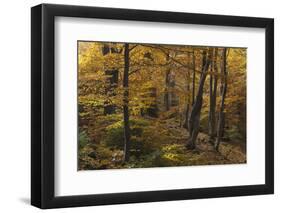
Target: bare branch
{"points": [[133, 47]]}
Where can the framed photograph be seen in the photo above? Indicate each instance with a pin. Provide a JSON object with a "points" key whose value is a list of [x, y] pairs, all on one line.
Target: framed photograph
{"points": [[139, 106]]}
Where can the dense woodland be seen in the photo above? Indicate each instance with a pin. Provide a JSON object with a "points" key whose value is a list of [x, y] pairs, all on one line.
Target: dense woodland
{"points": [[152, 105]]}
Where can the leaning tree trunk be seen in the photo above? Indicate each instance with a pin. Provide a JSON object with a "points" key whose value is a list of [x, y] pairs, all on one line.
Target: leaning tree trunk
{"points": [[194, 119], [224, 89], [213, 96], [126, 103]]}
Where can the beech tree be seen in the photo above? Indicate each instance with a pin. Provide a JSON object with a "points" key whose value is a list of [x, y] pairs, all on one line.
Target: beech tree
{"points": [[188, 98], [126, 102], [213, 95], [221, 119], [111, 82], [194, 119], [145, 105]]}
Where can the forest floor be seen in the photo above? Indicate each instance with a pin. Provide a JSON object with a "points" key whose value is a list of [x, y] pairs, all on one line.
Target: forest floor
{"points": [[164, 145], [230, 152]]}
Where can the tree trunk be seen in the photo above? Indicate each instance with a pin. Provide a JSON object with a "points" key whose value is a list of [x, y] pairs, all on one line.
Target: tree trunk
{"points": [[111, 84], [185, 125], [213, 96], [193, 78], [211, 106], [126, 103], [167, 99], [152, 110], [194, 119], [221, 119]]}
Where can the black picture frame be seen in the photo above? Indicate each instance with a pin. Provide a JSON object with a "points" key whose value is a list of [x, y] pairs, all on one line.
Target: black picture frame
{"points": [[43, 102]]}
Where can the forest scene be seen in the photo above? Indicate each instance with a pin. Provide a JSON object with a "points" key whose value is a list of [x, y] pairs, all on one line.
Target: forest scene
{"points": [[157, 105]]}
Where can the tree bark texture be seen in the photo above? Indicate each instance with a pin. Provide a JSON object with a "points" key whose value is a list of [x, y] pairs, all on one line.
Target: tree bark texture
{"points": [[221, 115], [187, 109], [213, 96], [111, 85], [126, 103], [193, 78], [167, 98], [194, 119]]}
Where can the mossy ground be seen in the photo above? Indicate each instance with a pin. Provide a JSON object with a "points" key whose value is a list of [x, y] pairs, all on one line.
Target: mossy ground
{"points": [[154, 143]]}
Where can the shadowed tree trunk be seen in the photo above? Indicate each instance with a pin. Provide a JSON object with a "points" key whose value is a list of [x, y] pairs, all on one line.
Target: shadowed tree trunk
{"points": [[187, 109], [151, 93], [152, 110], [213, 96], [224, 90], [126, 103], [173, 95], [111, 84], [194, 119], [194, 76], [170, 98], [167, 99]]}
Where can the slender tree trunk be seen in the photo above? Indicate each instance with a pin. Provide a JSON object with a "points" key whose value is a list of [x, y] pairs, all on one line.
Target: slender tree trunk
{"points": [[194, 119], [213, 96], [167, 100], [126, 103], [224, 90], [173, 96], [111, 84], [185, 125], [152, 110], [193, 78], [211, 106]]}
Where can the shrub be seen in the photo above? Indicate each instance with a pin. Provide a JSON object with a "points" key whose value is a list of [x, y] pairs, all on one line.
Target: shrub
{"points": [[99, 157], [140, 133], [204, 119], [234, 134], [83, 139]]}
